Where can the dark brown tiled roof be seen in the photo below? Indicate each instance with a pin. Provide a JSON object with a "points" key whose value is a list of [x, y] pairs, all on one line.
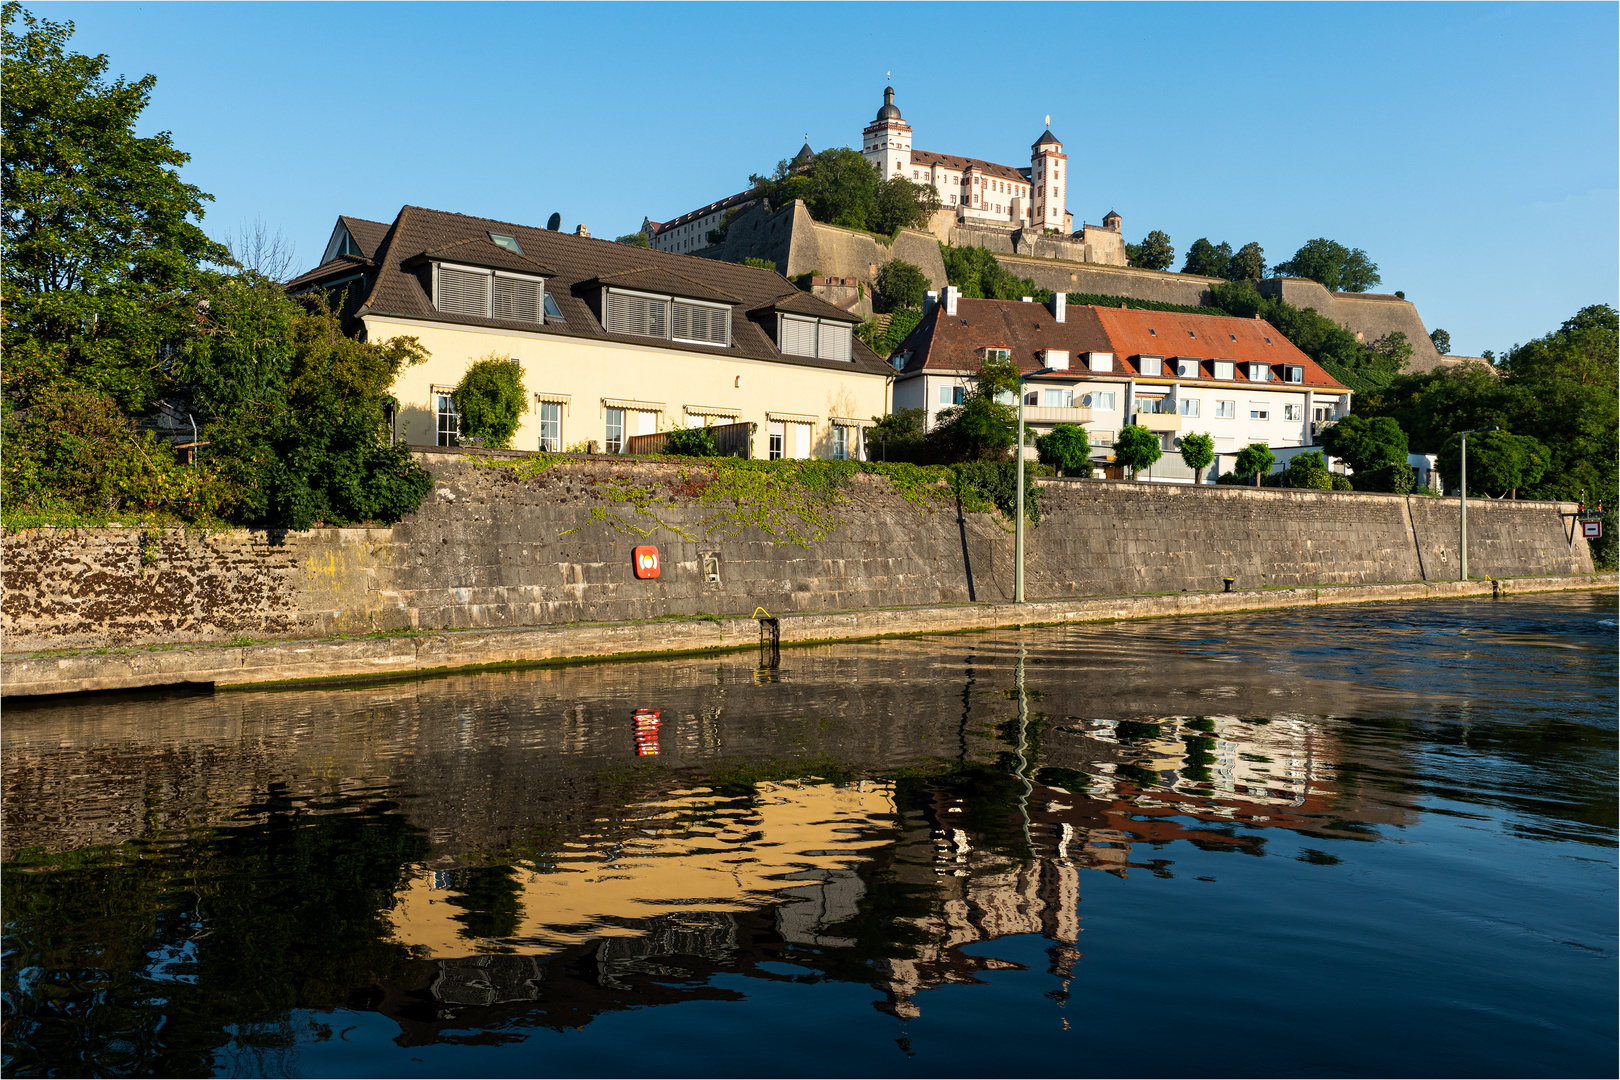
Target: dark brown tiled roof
{"points": [[802, 303], [961, 164], [341, 266], [1207, 337], [704, 211], [579, 260], [367, 234], [956, 343], [480, 251], [658, 280]]}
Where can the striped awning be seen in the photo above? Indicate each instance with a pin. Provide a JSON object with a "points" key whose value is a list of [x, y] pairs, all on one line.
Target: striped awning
{"points": [[847, 421], [711, 410], [632, 404], [792, 418]]}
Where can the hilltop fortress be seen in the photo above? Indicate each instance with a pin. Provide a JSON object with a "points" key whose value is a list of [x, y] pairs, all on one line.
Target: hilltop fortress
{"points": [[1020, 214]]}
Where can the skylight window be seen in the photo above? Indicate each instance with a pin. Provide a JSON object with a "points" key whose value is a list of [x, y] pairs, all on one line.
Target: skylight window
{"points": [[1191, 334], [1232, 336], [1268, 341], [508, 242], [553, 312], [1152, 332]]}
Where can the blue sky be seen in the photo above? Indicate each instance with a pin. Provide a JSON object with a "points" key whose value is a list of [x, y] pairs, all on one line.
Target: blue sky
{"points": [[1470, 149]]}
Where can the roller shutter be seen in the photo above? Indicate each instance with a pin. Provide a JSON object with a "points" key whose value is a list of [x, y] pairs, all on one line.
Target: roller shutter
{"points": [[517, 299], [798, 336], [834, 342], [463, 293]]}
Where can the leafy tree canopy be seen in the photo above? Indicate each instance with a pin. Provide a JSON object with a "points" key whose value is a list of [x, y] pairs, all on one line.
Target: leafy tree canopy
{"points": [[1153, 253], [985, 426], [1256, 459], [1442, 341], [1249, 264], [901, 285], [1198, 452], [1499, 462], [1137, 448], [1366, 445], [1207, 259], [1067, 448], [1329, 262], [101, 236], [491, 399], [841, 187], [976, 272], [635, 239], [1309, 470]]}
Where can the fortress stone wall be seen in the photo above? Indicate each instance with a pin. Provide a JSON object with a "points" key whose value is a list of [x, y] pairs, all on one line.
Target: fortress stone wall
{"points": [[489, 550]]}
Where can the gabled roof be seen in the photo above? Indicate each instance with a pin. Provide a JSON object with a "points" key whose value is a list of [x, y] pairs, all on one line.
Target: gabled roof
{"points": [[575, 265], [480, 251], [1135, 332], [956, 342], [803, 303], [962, 164], [742, 198], [368, 235]]}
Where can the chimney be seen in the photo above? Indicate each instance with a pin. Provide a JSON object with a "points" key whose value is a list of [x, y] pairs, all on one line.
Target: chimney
{"points": [[951, 295], [929, 300], [1027, 299], [582, 231], [1060, 306]]}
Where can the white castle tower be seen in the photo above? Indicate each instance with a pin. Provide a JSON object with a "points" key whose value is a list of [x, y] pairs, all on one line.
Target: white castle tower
{"points": [[1048, 175], [886, 142]]}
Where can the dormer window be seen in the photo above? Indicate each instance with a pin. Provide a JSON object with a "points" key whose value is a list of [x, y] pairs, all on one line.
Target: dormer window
{"points": [[1151, 365], [690, 322], [347, 246], [800, 335], [506, 241], [488, 294], [997, 354], [1295, 374]]}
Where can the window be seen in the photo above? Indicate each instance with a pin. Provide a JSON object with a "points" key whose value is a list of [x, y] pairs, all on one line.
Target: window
{"points": [[1191, 334], [1232, 336], [508, 242], [1225, 369], [1187, 369], [952, 395], [1189, 406], [449, 419], [1226, 410], [614, 443], [777, 437], [1101, 361], [1293, 412], [517, 298], [1006, 397], [1057, 399], [1258, 410], [840, 442], [1259, 372], [463, 292], [550, 426], [1152, 332], [1151, 406], [799, 336], [997, 354], [636, 315], [666, 317], [1152, 365], [700, 323], [553, 313], [1295, 374], [1101, 400]]}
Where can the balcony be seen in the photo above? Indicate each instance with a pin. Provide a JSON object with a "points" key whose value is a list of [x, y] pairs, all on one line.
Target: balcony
{"points": [[1037, 414], [1158, 421]]}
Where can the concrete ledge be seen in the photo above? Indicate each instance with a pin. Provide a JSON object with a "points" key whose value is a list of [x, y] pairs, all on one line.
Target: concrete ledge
{"points": [[35, 674]]}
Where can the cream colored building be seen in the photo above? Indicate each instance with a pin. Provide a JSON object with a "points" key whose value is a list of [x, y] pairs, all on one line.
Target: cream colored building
{"points": [[615, 341]]}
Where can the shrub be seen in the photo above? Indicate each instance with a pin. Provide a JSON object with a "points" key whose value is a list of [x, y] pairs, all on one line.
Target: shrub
{"points": [[898, 436], [901, 285], [759, 264], [1066, 448], [1256, 458], [997, 481], [1137, 448], [491, 399], [1342, 482], [692, 442], [1309, 470]]}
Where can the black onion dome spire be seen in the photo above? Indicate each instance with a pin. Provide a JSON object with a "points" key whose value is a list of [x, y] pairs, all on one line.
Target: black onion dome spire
{"points": [[889, 111]]}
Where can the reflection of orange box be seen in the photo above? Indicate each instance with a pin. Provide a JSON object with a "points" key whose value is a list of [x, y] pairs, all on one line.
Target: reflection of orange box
{"points": [[646, 561]]}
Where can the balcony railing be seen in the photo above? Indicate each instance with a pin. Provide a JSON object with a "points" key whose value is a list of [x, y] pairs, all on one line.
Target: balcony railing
{"points": [[1038, 414], [1158, 421]]}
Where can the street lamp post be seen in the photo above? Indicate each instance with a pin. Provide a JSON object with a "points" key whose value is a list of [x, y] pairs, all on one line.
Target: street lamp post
{"points": [[1462, 492], [1018, 503]]}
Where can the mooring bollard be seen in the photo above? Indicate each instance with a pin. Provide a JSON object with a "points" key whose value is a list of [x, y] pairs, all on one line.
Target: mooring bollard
{"points": [[1228, 582]]}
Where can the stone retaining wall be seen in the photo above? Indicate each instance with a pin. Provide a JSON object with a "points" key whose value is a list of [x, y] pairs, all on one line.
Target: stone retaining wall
{"points": [[490, 550]]}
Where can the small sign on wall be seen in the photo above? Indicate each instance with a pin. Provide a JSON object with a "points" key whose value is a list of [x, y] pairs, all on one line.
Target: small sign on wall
{"points": [[645, 559], [1592, 530]]}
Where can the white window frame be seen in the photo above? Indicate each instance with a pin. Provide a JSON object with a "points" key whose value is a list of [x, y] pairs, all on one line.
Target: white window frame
{"points": [[1226, 410], [1187, 406], [840, 442], [1293, 411], [1225, 369], [1259, 410], [1100, 361], [1295, 373], [553, 442], [1152, 366], [607, 431], [444, 405], [1187, 369]]}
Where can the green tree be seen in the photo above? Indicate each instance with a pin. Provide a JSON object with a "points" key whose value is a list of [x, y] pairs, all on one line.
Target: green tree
{"points": [[1499, 463], [1153, 253], [1255, 460], [491, 399], [759, 264], [635, 239], [294, 411], [985, 426], [692, 442], [900, 204], [1249, 264], [1309, 470], [1198, 453], [898, 436], [102, 248], [1207, 259], [1366, 445], [976, 271], [901, 285], [1442, 341], [1329, 262], [842, 188], [1067, 448], [1137, 448]]}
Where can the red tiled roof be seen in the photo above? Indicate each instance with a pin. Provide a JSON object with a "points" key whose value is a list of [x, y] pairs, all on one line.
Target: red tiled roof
{"points": [[1135, 333], [956, 343], [961, 164]]}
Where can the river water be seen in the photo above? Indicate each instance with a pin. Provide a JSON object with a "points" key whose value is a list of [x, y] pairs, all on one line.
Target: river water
{"points": [[1362, 841]]}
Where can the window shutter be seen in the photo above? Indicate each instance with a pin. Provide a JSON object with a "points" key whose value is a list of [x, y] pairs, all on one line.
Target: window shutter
{"points": [[517, 299], [798, 336], [463, 293], [635, 315], [834, 342]]}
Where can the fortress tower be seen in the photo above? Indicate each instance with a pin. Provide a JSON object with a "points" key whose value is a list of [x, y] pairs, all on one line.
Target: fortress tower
{"points": [[886, 142], [1048, 169]]}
